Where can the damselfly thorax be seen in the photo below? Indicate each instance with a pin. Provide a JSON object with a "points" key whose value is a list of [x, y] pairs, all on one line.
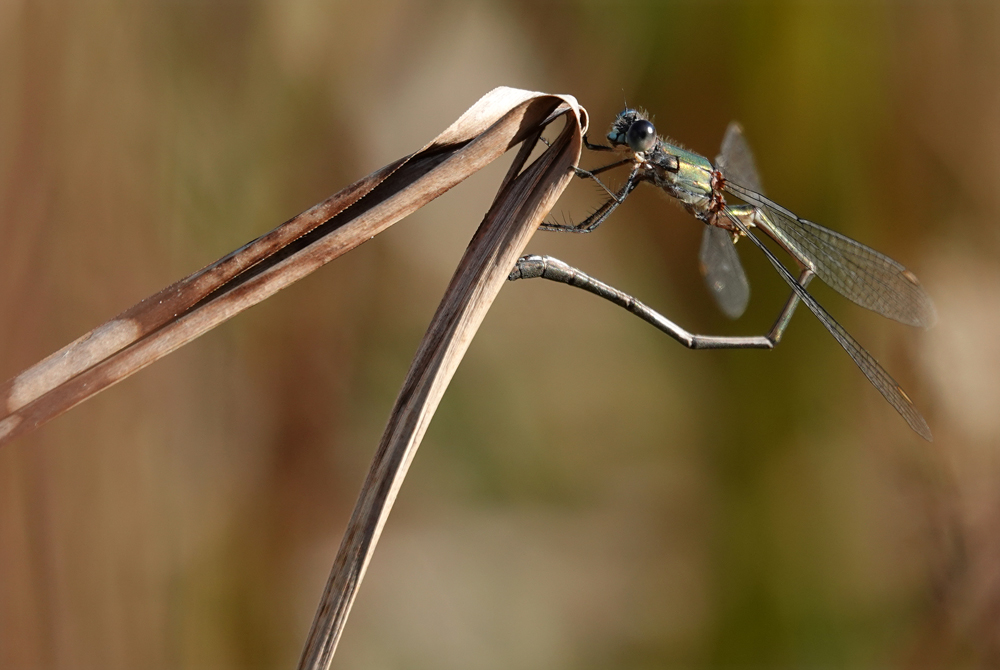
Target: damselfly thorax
{"points": [[690, 179]]}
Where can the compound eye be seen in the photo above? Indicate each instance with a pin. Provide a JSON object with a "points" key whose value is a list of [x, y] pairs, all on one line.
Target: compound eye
{"points": [[641, 136]]}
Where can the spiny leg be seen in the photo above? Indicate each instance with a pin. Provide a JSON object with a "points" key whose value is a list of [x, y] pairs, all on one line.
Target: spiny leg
{"points": [[602, 212], [547, 267], [591, 174], [596, 147]]}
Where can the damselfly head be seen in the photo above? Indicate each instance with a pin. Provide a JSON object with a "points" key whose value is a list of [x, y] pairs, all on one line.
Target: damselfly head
{"points": [[632, 129], [619, 129]]}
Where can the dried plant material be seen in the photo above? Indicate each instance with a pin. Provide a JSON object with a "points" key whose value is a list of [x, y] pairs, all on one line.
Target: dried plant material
{"points": [[181, 312], [165, 321], [519, 208]]}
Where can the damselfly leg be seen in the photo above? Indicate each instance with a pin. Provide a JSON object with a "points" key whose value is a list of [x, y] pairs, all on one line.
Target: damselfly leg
{"points": [[604, 211], [553, 269]]}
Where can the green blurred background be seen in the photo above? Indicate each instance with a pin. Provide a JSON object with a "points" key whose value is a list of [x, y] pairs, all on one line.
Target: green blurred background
{"points": [[590, 494]]}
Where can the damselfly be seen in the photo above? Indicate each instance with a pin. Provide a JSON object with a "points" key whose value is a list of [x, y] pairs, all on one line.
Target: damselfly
{"points": [[856, 271]]}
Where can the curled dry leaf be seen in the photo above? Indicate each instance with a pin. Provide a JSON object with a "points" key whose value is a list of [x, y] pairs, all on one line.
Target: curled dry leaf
{"points": [[522, 203], [181, 312]]}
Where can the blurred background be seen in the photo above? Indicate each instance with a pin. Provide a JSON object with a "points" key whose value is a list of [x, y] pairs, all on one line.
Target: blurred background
{"points": [[590, 493]]}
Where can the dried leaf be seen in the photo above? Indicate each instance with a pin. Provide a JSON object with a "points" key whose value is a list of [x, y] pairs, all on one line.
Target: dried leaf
{"points": [[519, 208], [181, 312]]}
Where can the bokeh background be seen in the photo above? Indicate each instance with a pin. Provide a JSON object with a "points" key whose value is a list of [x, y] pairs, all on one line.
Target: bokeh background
{"points": [[590, 494]]}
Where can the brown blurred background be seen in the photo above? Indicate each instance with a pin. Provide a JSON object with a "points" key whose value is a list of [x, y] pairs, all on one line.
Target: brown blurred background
{"points": [[590, 494]]}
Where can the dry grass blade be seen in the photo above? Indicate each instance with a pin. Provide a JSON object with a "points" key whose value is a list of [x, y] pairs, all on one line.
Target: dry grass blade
{"points": [[169, 319], [517, 211]]}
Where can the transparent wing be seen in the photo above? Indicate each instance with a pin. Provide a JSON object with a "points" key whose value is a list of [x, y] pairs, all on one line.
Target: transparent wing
{"points": [[724, 276], [857, 272], [875, 373], [719, 262], [735, 160]]}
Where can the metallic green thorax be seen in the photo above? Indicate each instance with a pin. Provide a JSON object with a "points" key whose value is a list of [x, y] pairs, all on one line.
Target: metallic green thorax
{"points": [[691, 184]]}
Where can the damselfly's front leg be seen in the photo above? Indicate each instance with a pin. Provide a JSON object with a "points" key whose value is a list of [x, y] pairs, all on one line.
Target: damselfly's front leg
{"points": [[547, 267], [596, 147], [604, 211]]}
